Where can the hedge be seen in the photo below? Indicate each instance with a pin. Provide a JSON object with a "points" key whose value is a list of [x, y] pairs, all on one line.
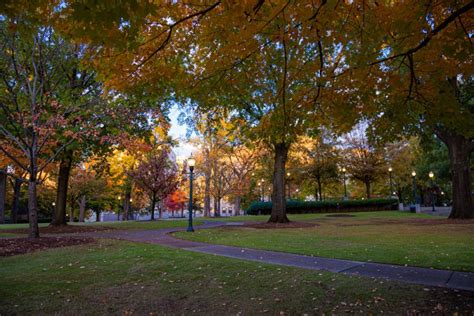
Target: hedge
{"points": [[305, 207]]}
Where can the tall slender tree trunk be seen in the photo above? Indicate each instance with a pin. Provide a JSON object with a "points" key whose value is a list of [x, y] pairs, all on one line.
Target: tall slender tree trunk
{"points": [[153, 204], [320, 189], [59, 216], [218, 209], [207, 189], [126, 204], [71, 210], [237, 201], [278, 214], [3, 194], [367, 188], [82, 208], [32, 208], [16, 199]]}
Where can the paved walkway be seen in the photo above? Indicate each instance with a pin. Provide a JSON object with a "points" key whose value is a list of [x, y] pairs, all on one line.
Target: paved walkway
{"points": [[432, 277]]}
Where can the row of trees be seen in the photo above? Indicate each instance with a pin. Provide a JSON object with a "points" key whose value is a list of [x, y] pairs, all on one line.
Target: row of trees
{"points": [[278, 70]]}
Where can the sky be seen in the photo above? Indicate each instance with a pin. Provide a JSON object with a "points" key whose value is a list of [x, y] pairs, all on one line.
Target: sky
{"points": [[184, 149]]}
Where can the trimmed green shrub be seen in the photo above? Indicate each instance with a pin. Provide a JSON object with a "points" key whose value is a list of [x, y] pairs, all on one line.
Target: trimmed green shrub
{"points": [[328, 206]]}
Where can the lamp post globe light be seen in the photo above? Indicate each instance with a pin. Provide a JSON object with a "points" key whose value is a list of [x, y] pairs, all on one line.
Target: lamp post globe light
{"points": [[431, 175], [191, 163]]}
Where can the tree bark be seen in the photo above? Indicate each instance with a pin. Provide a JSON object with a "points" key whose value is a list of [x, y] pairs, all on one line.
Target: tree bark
{"points": [[59, 216], [3, 194], [278, 214], [71, 211], [207, 189], [153, 204], [16, 199], [126, 204], [460, 150], [97, 216], [32, 209], [367, 188], [82, 208], [237, 201], [319, 188]]}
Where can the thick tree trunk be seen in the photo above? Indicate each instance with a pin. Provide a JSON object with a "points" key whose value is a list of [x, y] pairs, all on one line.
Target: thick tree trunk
{"points": [[32, 209], [278, 196], [97, 216], [82, 208], [59, 216], [126, 204], [3, 194], [237, 201], [16, 199], [153, 204], [367, 188], [460, 150], [218, 209]]}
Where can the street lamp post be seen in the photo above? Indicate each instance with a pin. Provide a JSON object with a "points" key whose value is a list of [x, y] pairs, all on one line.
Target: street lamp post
{"points": [[263, 190], [191, 163], [391, 182], [288, 174], [431, 175], [413, 174], [344, 180]]}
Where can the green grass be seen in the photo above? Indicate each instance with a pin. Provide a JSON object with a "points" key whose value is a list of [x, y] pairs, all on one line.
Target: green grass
{"points": [[387, 237], [145, 225], [116, 277]]}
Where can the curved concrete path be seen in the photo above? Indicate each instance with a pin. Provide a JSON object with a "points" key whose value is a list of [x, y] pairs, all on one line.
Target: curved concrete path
{"points": [[431, 277]]}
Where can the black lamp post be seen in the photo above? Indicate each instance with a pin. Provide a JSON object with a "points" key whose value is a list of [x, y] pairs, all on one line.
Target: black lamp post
{"points": [[344, 180], [289, 187], [431, 175], [191, 163], [413, 174], [391, 182]]}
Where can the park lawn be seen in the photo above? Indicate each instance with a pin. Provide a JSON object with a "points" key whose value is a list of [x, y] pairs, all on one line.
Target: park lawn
{"points": [[117, 277], [386, 237], [136, 225], [144, 225]]}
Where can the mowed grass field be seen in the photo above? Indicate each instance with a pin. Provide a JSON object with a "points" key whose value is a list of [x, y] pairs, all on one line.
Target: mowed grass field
{"points": [[124, 278], [386, 237]]}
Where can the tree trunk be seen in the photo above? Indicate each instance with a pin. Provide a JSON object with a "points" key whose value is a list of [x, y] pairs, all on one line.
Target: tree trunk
{"points": [[367, 188], [320, 189], [71, 211], [207, 190], [218, 209], [16, 199], [59, 216], [216, 213], [237, 201], [153, 204], [126, 204], [182, 212], [32, 209], [97, 216], [278, 196], [3, 194], [82, 208], [460, 150]]}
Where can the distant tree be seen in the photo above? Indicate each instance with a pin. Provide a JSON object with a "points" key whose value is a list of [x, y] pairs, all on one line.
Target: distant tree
{"points": [[157, 175], [363, 161]]}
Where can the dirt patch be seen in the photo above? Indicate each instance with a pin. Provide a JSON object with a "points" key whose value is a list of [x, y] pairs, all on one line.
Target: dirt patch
{"points": [[340, 215], [265, 225], [17, 246], [63, 229]]}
